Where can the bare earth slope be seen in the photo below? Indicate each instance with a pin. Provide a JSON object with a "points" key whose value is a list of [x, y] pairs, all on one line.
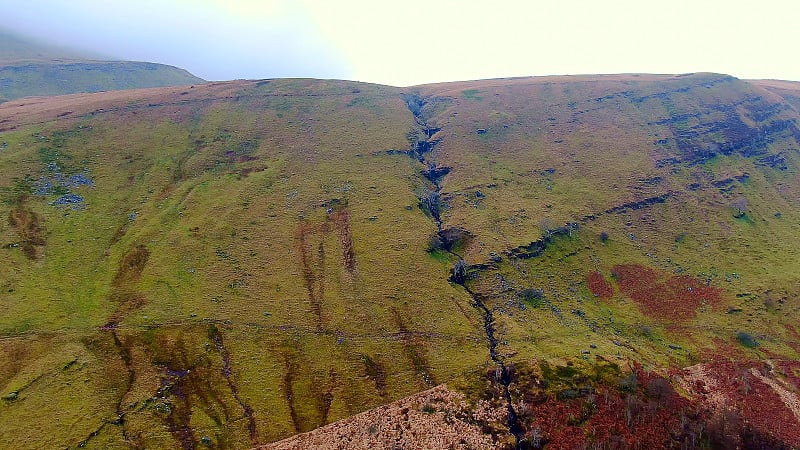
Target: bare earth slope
{"points": [[231, 264]]}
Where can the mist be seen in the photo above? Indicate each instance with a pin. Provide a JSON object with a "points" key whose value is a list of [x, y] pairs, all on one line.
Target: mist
{"points": [[212, 42], [418, 41]]}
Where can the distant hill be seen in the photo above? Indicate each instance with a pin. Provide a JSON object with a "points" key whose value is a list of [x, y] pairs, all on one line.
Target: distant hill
{"points": [[555, 262], [16, 49], [30, 68]]}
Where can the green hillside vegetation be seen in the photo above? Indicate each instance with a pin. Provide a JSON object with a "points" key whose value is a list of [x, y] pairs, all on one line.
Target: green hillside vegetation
{"points": [[45, 79], [234, 263], [29, 68]]}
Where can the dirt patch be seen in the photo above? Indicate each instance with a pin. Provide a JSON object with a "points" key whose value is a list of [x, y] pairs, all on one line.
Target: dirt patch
{"points": [[190, 382], [313, 270], [325, 397], [132, 265], [313, 256], [342, 221], [119, 233], [309, 394], [227, 371], [664, 296], [290, 367], [375, 371], [124, 350], [123, 292], [599, 286], [127, 301], [28, 226], [414, 350]]}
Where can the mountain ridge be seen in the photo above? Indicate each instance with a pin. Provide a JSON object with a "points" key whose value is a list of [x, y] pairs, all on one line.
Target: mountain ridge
{"points": [[29, 68]]}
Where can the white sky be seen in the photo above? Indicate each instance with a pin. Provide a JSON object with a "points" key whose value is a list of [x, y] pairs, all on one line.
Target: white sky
{"points": [[415, 41]]}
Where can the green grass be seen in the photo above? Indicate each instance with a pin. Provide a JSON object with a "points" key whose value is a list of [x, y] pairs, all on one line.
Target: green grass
{"points": [[746, 339], [53, 78], [472, 94]]}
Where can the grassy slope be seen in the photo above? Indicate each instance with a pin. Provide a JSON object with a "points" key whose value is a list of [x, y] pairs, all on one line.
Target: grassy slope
{"points": [[43, 79], [278, 152], [251, 253], [605, 145]]}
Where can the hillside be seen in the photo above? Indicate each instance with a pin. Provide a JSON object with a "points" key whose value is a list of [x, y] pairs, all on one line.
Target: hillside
{"points": [[605, 260], [29, 68]]}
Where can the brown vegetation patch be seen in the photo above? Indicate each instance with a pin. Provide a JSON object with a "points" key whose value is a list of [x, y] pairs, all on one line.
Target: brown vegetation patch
{"points": [[599, 286], [790, 371], [664, 296], [651, 416], [127, 301], [718, 349], [28, 226], [244, 172], [414, 350], [119, 233], [313, 270], [342, 221], [227, 371], [597, 405], [302, 389], [14, 353], [123, 293], [123, 347], [290, 367], [751, 404], [132, 265], [311, 248], [190, 382], [794, 342], [375, 371], [325, 396]]}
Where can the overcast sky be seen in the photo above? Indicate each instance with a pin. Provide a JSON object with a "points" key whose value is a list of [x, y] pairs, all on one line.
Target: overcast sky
{"points": [[418, 41]]}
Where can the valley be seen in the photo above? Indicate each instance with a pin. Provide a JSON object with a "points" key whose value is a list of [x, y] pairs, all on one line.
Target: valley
{"points": [[548, 262]]}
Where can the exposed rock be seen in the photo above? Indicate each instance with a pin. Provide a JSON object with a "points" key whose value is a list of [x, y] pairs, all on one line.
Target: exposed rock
{"points": [[454, 237], [776, 161], [537, 247], [433, 419], [639, 204], [434, 173], [69, 199]]}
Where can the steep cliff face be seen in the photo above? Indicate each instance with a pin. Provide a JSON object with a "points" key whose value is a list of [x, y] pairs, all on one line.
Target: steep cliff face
{"points": [[234, 263]]}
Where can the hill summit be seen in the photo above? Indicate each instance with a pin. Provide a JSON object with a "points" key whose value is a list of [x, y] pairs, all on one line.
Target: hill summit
{"points": [[554, 262]]}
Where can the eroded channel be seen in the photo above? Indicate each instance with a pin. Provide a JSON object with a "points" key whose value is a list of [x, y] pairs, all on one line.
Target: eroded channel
{"points": [[430, 201]]}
